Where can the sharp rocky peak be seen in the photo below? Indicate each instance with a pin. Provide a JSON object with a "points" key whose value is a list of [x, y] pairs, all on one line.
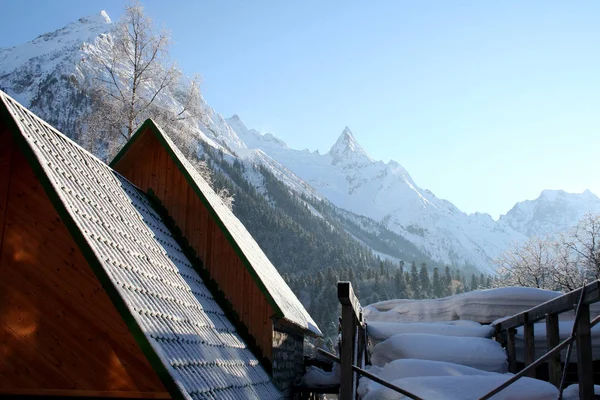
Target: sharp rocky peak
{"points": [[347, 149]]}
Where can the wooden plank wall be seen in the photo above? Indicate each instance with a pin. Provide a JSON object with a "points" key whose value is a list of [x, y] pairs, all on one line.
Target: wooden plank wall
{"points": [[148, 165], [59, 332]]}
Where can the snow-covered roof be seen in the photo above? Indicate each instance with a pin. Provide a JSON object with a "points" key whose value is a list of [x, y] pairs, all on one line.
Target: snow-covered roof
{"points": [[280, 296], [186, 336]]}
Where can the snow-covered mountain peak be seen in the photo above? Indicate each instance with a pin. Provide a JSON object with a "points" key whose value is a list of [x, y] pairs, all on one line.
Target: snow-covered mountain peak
{"points": [[253, 138], [553, 211], [347, 150], [27, 67]]}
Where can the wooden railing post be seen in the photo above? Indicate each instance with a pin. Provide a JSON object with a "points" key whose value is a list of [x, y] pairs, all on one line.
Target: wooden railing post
{"points": [[361, 342], [585, 368], [528, 333], [350, 316], [552, 340], [511, 350]]}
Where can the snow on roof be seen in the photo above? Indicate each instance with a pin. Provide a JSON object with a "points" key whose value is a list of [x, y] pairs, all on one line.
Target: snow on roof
{"points": [[284, 301], [183, 332]]}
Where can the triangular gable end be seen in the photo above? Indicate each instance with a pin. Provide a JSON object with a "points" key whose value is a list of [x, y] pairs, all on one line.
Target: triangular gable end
{"points": [[187, 197], [183, 333], [60, 333]]}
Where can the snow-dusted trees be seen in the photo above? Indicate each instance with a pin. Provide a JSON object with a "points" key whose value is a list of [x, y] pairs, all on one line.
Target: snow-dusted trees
{"points": [[563, 263], [136, 80], [133, 79], [528, 264]]}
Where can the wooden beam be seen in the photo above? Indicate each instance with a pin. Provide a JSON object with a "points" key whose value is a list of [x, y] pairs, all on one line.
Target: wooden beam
{"points": [[347, 353], [529, 336], [552, 340], [511, 350], [347, 297], [558, 305], [585, 367]]}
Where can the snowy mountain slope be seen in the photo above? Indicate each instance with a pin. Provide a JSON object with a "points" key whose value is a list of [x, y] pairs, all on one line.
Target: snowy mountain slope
{"points": [[49, 75], [553, 211], [385, 192], [352, 180], [50, 70]]}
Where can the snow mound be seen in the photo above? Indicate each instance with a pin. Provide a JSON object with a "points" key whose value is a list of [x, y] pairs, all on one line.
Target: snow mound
{"points": [[380, 331], [475, 352], [316, 377], [470, 387], [572, 392], [483, 306], [409, 368]]}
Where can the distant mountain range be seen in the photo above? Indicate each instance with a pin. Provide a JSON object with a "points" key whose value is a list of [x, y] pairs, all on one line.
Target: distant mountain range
{"points": [[372, 199]]}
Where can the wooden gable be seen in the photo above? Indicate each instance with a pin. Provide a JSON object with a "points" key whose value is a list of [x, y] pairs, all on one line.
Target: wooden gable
{"points": [[60, 334], [148, 164]]}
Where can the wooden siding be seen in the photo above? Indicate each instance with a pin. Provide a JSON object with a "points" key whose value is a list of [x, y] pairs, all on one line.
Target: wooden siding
{"points": [[59, 332], [148, 165]]}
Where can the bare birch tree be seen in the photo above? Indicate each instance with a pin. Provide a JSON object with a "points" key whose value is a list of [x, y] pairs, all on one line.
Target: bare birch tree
{"points": [[528, 264], [135, 71], [563, 263], [136, 81]]}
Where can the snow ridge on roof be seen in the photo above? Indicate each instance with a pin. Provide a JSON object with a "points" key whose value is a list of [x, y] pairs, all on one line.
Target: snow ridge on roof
{"points": [[262, 270], [201, 355]]}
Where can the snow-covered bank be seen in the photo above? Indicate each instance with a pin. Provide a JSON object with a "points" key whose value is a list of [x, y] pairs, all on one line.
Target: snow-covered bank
{"points": [[483, 306], [380, 331], [480, 353], [572, 392], [408, 368], [470, 387]]}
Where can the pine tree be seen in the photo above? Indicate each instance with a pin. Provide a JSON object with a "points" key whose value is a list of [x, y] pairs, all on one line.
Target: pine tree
{"points": [[352, 276], [400, 284], [437, 284], [474, 284], [415, 283], [447, 282], [425, 282], [407, 282]]}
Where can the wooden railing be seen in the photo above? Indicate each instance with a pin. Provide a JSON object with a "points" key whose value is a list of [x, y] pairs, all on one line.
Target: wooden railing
{"points": [[353, 347], [578, 300], [354, 355]]}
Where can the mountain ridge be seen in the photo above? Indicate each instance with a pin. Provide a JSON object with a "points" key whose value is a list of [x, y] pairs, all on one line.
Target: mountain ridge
{"points": [[50, 71]]}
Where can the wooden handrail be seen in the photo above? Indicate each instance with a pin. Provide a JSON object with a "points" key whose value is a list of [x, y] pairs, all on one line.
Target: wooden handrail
{"points": [[525, 371], [579, 299], [558, 305]]}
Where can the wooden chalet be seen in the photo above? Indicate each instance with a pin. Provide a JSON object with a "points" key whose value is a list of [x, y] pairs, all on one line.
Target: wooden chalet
{"points": [[132, 282]]}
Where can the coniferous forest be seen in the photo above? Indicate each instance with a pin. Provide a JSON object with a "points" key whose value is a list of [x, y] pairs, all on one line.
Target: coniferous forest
{"points": [[314, 253]]}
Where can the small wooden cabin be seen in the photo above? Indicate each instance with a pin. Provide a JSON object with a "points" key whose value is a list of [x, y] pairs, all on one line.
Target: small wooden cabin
{"points": [[114, 289]]}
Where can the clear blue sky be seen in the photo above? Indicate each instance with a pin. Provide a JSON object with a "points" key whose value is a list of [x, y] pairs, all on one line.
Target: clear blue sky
{"points": [[485, 103]]}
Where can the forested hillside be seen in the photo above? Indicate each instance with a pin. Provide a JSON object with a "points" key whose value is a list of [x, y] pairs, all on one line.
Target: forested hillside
{"points": [[313, 250]]}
